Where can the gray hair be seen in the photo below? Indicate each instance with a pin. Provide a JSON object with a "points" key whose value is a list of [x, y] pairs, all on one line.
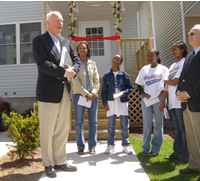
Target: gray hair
{"points": [[48, 17], [197, 27]]}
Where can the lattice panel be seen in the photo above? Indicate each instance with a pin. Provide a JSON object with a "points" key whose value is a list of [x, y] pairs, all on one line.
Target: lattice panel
{"points": [[135, 109]]}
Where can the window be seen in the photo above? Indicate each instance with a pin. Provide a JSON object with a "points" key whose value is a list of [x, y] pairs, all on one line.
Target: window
{"points": [[97, 46], [9, 46], [27, 33]]}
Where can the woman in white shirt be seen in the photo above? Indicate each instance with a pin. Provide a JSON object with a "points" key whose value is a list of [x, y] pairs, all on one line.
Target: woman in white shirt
{"points": [[180, 154], [152, 77]]}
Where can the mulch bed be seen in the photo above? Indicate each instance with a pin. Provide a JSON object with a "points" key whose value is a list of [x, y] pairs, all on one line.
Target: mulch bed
{"points": [[21, 170]]}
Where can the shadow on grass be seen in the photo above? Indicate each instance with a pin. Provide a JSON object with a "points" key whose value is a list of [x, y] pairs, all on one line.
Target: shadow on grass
{"points": [[181, 177], [160, 169], [164, 170], [153, 166]]}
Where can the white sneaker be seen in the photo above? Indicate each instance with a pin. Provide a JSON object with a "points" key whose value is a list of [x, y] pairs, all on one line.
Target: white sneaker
{"points": [[128, 149], [110, 149]]}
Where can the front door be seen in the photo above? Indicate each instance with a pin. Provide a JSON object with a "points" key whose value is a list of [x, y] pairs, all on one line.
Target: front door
{"points": [[100, 49]]}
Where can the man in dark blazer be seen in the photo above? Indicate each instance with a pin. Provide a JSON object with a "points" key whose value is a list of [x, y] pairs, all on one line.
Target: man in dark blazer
{"points": [[188, 92], [53, 94]]}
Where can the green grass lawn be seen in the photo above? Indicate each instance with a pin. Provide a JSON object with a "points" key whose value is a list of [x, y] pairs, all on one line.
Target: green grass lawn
{"points": [[158, 168]]}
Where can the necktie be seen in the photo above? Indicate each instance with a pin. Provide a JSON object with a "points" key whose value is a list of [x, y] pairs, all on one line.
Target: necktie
{"points": [[190, 59]]}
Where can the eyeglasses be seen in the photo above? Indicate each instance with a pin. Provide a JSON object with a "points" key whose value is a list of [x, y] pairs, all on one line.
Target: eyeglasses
{"points": [[190, 34]]}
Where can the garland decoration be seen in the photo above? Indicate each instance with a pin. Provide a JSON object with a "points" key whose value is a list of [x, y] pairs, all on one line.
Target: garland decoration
{"points": [[73, 22], [116, 13]]}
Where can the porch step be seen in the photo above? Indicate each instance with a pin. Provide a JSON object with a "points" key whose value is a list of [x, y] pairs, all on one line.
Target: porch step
{"points": [[101, 135], [100, 115], [100, 104], [102, 124]]}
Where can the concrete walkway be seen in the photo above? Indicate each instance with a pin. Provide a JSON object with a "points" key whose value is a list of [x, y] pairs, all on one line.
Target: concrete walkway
{"points": [[116, 167], [108, 167], [3, 141]]}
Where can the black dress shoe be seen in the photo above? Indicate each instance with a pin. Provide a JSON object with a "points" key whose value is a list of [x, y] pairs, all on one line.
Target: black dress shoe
{"points": [[180, 162], [171, 157], [66, 167], [187, 170], [50, 172]]}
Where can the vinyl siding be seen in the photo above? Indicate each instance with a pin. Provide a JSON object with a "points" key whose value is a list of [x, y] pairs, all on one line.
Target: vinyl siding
{"points": [[188, 5], [19, 11], [144, 24], [168, 28], [19, 79]]}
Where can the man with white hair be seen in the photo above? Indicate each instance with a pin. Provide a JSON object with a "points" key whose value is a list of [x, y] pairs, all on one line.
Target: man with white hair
{"points": [[53, 94], [188, 92]]}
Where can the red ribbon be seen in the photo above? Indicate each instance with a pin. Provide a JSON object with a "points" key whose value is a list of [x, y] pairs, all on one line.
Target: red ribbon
{"points": [[95, 38]]}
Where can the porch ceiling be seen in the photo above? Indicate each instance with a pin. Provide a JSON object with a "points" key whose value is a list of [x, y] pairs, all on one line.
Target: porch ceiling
{"points": [[86, 9]]}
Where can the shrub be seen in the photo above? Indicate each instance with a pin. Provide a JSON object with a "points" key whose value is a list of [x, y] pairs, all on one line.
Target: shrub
{"points": [[24, 133]]}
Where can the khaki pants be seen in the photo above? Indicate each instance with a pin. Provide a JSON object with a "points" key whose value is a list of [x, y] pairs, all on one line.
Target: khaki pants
{"points": [[192, 128], [54, 130]]}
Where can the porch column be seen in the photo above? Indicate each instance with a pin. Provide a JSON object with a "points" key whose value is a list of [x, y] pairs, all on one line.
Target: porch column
{"points": [[44, 17], [150, 26], [117, 21], [72, 20]]}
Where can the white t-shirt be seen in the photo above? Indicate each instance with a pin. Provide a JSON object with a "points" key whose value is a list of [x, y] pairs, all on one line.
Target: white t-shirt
{"points": [[174, 72], [117, 107], [152, 79]]}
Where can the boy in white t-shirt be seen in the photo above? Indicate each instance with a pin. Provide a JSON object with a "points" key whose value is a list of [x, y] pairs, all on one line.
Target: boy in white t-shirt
{"points": [[116, 86], [180, 154]]}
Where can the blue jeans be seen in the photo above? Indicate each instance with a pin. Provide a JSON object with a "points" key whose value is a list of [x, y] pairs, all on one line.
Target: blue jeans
{"points": [[92, 120], [124, 123], [157, 139], [180, 142]]}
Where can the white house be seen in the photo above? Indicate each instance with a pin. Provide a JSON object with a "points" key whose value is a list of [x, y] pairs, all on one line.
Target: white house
{"points": [[22, 20]]}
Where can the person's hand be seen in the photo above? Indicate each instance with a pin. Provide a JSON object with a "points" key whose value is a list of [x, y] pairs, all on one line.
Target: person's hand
{"points": [[70, 72], [162, 106], [121, 95], [67, 66], [106, 108], [90, 97], [182, 96], [146, 95]]}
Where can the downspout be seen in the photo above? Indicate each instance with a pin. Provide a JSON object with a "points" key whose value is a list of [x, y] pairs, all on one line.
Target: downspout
{"points": [[44, 17], [150, 25], [183, 21], [153, 26]]}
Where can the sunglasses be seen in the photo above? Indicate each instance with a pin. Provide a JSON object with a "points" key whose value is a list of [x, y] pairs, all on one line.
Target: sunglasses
{"points": [[190, 34]]}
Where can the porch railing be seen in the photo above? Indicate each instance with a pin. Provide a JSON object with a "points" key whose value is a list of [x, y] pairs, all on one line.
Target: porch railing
{"points": [[134, 51]]}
